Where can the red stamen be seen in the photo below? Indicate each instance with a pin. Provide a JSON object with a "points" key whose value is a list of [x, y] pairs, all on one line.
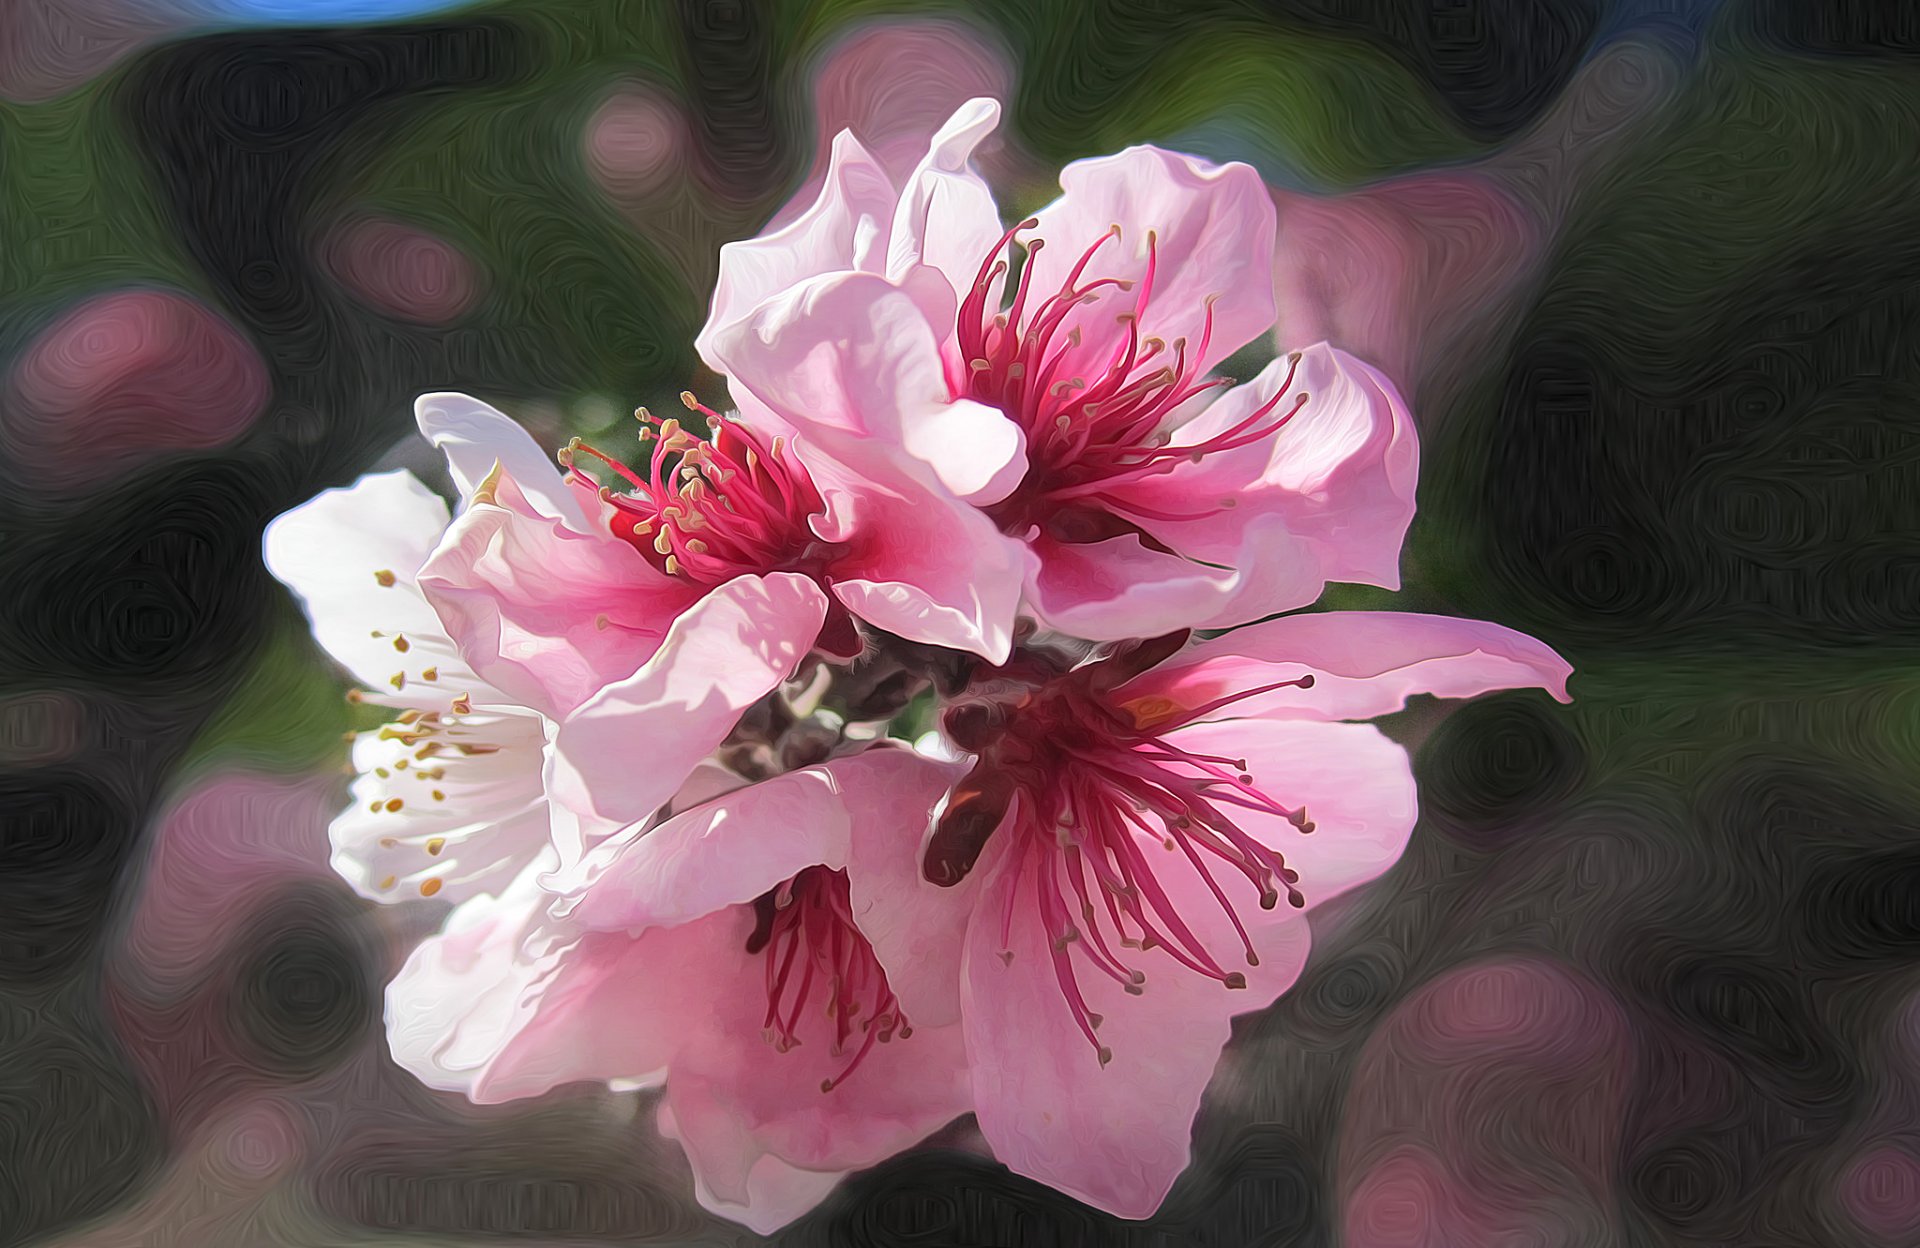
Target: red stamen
{"points": [[1097, 790], [711, 509], [809, 920], [1105, 424]]}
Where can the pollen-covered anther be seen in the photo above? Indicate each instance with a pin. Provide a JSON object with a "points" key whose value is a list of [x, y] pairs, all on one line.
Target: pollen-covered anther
{"points": [[710, 509]]}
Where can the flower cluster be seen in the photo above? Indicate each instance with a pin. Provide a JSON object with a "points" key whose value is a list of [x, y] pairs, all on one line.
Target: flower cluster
{"points": [[924, 736]]}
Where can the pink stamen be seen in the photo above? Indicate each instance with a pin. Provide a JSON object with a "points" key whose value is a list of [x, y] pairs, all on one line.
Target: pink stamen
{"points": [[809, 921], [1093, 421], [710, 509], [1098, 789]]}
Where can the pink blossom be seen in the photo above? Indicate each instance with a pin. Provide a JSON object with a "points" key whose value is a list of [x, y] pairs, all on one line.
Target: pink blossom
{"points": [[504, 637], [1074, 405], [905, 558], [787, 991], [542, 577], [1092, 848]]}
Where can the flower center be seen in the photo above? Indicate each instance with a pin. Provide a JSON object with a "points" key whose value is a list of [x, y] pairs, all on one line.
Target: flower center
{"points": [[806, 929], [1083, 786], [709, 509], [1095, 417]]}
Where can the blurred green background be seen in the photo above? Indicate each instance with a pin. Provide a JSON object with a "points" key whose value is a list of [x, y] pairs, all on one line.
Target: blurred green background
{"points": [[1648, 272]]}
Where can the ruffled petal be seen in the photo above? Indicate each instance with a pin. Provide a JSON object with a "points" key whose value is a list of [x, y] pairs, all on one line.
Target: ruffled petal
{"points": [[852, 363], [624, 753], [735, 1099], [921, 564], [547, 612], [503, 1004], [724, 852], [1340, 473], [1119, 587], [847, 228], [1114, 1136], [1213, 231], [916, 929], [768, 1196], [947, 218], [475, 437], [1363, 663], [1356, 785], [737, 1108]]}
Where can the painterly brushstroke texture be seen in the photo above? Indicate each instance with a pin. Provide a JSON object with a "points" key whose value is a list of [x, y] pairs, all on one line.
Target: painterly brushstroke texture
{"points": [[1647, 274]]}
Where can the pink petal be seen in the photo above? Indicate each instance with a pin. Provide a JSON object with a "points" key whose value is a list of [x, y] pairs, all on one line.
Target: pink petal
{"points": [[845, 229], [730, 850], [351, 556], [725, 852], [917, 930], [1214, 230], [1356, 786], [1119, 587], [475, 436], [501, 1004], [544, 610], [768, 1196], [1117, 1136], [733, 1097], [625, 752], [921, 564], [1363, 663], [947, 218], [852, 362], [737, 1105], [1340, 472]]}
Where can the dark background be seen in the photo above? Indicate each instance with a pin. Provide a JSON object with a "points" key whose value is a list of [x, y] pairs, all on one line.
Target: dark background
{"points": [[1648, 272]]}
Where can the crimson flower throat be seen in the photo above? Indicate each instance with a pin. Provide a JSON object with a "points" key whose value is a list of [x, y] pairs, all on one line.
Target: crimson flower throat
{"points": [[1080, 785], [806, 930], [1094, 419]]}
